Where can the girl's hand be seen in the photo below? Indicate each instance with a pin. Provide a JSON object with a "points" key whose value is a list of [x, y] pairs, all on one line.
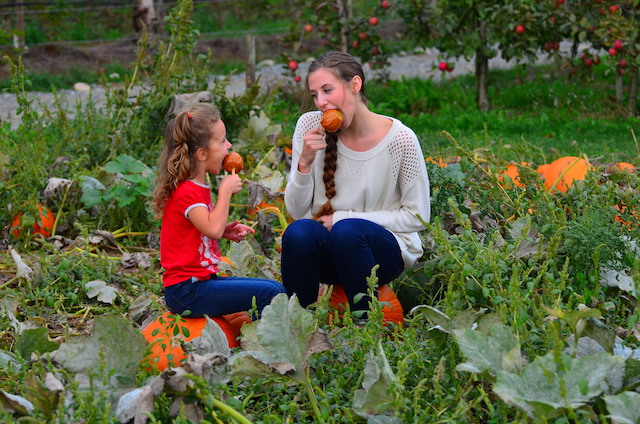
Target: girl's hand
{"points": [[237, 232], [326, 220], [314, 140], [231, 183]]}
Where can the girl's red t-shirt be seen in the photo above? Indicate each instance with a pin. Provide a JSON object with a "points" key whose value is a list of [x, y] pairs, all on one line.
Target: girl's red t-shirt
{"points": [[184, 251]]}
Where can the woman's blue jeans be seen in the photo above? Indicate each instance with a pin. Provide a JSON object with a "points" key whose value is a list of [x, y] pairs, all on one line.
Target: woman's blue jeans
{"points": [[220, 295], [311, 255]]}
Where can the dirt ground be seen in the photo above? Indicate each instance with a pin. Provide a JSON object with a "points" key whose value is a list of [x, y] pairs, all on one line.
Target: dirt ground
{"points": [[59, 58]]}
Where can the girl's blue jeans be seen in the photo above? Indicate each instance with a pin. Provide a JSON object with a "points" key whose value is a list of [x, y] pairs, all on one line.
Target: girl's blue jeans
{"points": [[311, 255], [220, 295]]}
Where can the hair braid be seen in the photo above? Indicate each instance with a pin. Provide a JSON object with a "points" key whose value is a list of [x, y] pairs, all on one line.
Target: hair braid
{"points": [[330, 164]]}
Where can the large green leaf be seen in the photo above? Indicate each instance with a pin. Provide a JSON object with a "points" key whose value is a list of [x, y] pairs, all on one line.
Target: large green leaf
{"points": [[35, 340], [546, 388], [376, 394], [281, 342], [624, 408], [114, 343], [488, 352]]}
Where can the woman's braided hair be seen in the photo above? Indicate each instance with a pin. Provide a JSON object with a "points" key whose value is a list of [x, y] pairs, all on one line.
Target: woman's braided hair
{"points": [[188, 132], [345, 67]]}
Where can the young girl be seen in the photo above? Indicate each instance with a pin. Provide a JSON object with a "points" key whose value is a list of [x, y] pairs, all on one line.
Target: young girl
{"points": [[196, 143], [364, 187]]}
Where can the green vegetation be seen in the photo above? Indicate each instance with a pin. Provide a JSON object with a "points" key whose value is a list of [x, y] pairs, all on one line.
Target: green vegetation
{"points": [[523, 309]]}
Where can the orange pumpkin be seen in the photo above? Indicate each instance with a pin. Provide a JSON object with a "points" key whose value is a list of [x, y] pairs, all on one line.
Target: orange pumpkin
{"points": [[392, 310], [560, 174], [624, 166], [237, 320], [43, 225], [513, 174], [160, 333]]}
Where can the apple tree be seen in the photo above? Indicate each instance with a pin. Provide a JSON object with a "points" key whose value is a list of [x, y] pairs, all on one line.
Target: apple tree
{"points": [[339, 25], [481, 29]]}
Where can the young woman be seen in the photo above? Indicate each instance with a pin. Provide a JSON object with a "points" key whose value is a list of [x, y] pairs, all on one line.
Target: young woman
{"points": [[358, 195], [196, 143]]}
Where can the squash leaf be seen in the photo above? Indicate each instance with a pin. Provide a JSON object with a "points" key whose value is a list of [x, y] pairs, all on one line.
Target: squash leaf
{"points": [[281, 342], [623, 408], [114, 342], [489, 351], [376, 394], [100, 290], [546, 388], [35, 340]]}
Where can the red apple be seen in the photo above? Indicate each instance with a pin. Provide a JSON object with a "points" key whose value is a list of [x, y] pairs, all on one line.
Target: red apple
{"points": [[623, 63], [449, 68], [363, 35], [385, 4], [374, 50], [596, 61], [442, 66], [613, 8], [617, 44], [293, 65], [308, 28], [556, 45], [612, 51], [297, 78], [373, 21], [519, 29], [588, 62], [355, 44], [559, 3]]}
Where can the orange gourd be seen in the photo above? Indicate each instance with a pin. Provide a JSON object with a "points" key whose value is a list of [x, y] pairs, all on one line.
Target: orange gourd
{"points": [[560, 174], [43, 225], [165, 343], [624, 166], [392, 310], [237, 320], [513, 174]]}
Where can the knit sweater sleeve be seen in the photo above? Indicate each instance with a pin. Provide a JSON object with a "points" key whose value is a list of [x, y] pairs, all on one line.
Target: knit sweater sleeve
{"points": [[298, 196], [412, 185]]}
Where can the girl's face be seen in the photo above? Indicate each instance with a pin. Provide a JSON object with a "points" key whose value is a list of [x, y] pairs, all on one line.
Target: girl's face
{"points": [[218, 148], [330, 92]]}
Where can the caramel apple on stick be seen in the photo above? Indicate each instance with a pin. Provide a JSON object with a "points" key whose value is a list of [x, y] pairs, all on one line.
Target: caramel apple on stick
{"points": [[331, 120], [233, 163]]}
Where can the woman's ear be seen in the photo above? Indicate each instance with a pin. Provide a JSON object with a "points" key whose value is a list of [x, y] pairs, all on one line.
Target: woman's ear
{"points": [[356, 84]]}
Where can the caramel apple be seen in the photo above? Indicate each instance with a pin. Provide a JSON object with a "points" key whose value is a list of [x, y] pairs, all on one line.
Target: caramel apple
{"points": [[331, 120], [233, 163]]}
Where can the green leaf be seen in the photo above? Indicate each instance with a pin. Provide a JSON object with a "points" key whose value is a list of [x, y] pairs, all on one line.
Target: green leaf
{"points": [[624, 408], [101, 291], [498, 349], [377, 386], [35, 341], [282, 342], [114, 342], [545, 390], [125, 164]]}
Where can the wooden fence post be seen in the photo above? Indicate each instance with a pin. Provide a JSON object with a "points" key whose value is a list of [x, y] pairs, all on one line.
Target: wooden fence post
{"points": [[19, 38], [250, 73]]}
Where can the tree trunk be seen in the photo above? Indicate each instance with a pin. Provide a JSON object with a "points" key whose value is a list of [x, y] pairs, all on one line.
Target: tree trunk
{"points": [[619, 87], [145, 15], [482, 72], [633, 92], [250, 73]]}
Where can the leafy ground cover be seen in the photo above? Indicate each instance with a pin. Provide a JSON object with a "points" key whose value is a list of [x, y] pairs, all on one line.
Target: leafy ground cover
{"points": [[523, 309]]}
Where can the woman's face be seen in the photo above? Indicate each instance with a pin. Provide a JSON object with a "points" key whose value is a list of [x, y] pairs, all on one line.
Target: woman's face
{"points": [[330, 92]]}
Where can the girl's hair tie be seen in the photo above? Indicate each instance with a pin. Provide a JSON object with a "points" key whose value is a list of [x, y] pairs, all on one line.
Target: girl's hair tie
{"points": [[188, 115]]}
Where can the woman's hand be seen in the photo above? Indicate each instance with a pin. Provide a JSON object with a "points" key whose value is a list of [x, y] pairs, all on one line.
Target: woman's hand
{"points": [[237, 232], [313, 141], [326, 220]]}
